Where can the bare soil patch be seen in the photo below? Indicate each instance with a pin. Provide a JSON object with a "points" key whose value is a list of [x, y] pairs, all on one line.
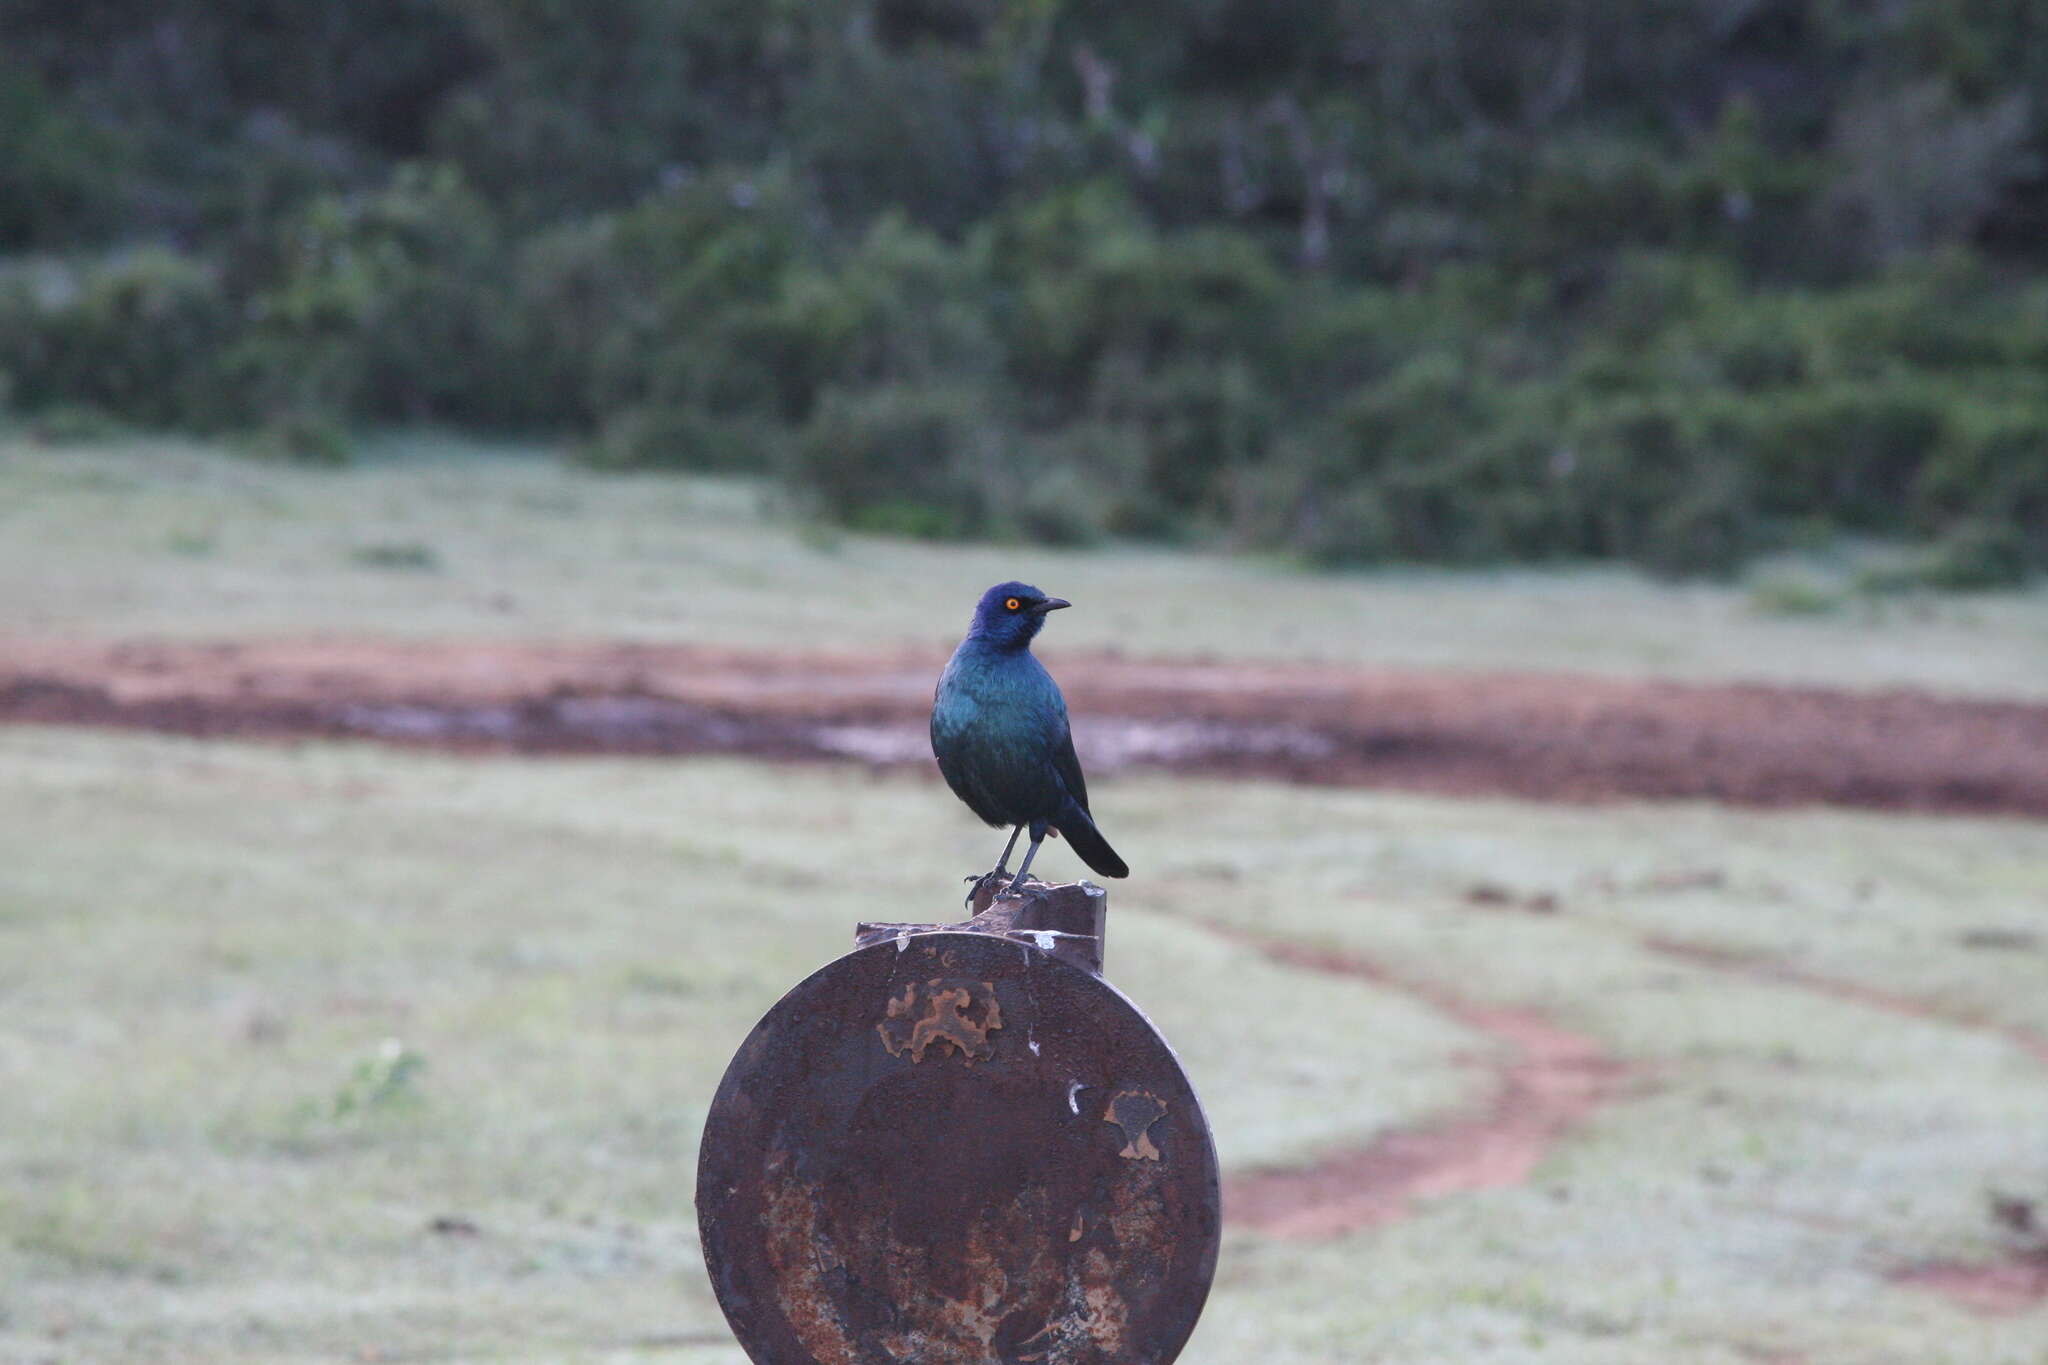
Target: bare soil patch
{"points": [[1542, 737], [1995, 1288]]}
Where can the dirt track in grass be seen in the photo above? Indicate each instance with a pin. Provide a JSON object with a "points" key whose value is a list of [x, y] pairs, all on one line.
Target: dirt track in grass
{"points": [[2016, 1282], [1541, 737], [1548, 1080]]}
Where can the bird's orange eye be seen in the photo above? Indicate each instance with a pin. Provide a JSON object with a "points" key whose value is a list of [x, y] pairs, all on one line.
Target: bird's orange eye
{"points": [[1012, 603]]}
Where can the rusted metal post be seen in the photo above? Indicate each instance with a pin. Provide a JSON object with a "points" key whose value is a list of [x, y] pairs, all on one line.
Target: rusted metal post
{"points": [[958, 1145], [1066, 920]]}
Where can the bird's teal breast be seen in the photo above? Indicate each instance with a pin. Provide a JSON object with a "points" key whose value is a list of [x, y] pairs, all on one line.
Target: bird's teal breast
{"points": [[995, 720]]}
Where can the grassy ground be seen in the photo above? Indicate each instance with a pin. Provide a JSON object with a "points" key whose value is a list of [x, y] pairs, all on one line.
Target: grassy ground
{"points": [[213, 1153], [266, 1014], [432, 538]]}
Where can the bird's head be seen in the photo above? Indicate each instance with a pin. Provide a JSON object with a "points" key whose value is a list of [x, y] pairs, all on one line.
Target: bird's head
{"points": [[1011, 613]]}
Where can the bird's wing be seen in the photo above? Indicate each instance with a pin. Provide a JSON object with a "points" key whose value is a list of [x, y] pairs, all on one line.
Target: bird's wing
{"points": [[954, 771], [1067, 764], [1059, 740]]}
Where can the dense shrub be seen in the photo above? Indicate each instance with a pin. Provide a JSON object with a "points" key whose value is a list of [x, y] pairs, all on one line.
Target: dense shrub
{"points": [[54, 166], [1465, 281], [136, 335], [906, 460], [381, 304]]}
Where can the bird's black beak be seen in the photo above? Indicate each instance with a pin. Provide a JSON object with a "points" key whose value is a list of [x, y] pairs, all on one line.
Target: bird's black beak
{"points": [[1051, 604]]}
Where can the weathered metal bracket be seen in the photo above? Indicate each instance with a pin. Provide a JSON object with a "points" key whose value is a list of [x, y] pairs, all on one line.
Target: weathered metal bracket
{"points": [[959, 1145], [1066, 920]]}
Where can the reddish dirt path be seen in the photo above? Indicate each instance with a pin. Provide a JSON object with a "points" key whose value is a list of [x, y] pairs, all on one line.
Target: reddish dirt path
{"points": [[1555, 738], [1999, 1289], [1549, 1081], [1841, 988]]}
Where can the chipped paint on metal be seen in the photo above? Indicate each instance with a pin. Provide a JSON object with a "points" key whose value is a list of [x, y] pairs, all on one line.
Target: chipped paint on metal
{"points": [[958, 1015], [1135, 1111]]}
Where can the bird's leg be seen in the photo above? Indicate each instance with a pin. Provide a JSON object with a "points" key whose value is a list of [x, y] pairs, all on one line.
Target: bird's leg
{"points": [[1003, 863], [1037, 838], [1002, 868]]}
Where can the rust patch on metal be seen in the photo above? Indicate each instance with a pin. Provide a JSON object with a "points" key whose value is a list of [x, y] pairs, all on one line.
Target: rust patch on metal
{"points": [[804, 1261], [1135, 1112], [957, 1014]]}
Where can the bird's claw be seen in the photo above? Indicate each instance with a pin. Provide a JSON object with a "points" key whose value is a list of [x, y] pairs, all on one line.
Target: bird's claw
{"points": [[977, 881]]}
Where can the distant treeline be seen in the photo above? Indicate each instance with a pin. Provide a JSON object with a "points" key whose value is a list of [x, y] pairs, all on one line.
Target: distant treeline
{"points": [[1456, 280]]}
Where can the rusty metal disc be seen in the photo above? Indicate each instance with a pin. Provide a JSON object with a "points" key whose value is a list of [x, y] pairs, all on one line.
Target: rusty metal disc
{"points": [[952, 1148]]}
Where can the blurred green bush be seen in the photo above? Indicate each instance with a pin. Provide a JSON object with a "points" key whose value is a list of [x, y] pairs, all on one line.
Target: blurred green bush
{"points": [[1469, 281]]}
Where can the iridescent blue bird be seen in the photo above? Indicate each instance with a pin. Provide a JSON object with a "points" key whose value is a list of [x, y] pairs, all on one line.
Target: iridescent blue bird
{"points": [[999, 731]]}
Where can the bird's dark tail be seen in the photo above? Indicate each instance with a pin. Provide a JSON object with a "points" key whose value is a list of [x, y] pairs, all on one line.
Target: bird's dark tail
{"points": [[1079, 827]]}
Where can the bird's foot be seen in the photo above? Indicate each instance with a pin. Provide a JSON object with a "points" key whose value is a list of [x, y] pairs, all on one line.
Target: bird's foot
{"points": [[976, 882]]}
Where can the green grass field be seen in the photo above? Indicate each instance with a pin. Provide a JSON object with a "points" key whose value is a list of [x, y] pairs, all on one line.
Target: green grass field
{"points": [[267, 1013]]}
